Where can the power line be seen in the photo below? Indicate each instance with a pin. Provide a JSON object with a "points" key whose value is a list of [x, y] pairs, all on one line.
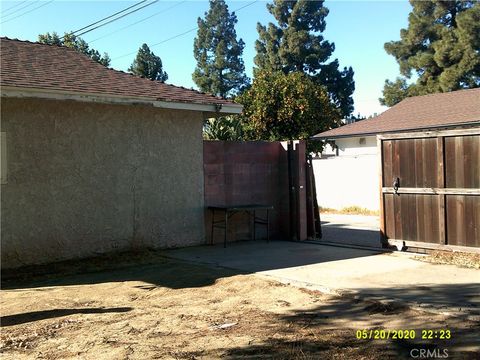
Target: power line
{"points": [[106, 18], [27, 12], [138, 22], [118, 18], [30, 3], [14, 6], [174, 37], [184, 33], [244, 6]]}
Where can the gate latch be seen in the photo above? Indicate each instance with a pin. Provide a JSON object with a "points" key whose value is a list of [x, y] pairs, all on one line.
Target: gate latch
{"points": [[396, 185]]}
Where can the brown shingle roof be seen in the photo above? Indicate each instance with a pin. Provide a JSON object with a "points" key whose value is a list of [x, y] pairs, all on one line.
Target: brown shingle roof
{"points": [[30, 65], [419, 112]]}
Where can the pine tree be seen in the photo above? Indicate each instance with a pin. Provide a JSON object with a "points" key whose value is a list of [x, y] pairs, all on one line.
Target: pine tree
{"points": [[220, 69], [74, 42], [297, 44], [441, 47], [148, 65]]}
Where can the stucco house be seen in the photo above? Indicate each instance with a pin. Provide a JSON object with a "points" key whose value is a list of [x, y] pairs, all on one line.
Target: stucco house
{"points": [[348, 174], [96, 160]]}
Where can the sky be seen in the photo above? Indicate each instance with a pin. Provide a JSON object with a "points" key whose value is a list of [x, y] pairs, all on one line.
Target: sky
{"points": [[359, 30]]}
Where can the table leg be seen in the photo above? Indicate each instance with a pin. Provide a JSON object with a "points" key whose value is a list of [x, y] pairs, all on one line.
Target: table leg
{"points": [[213, 220], [254, 226], [226, 229], [268, 228]]}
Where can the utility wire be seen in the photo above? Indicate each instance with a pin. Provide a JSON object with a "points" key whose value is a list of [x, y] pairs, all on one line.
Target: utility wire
{"points": [[30, 3], [174, 37], [27, 12], [14, 6], [244, 6], [184, 33], [138, 22], [118, 18], [106, 18]]}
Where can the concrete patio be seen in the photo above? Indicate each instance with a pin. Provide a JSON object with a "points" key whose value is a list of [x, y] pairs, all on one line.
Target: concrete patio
{"points": [[369, 274]]}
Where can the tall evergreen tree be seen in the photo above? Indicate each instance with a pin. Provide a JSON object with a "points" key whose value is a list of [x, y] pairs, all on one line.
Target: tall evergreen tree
{"points": [[441, 47], [297, 44], [220, 69], [148, 65], [74, 42]]}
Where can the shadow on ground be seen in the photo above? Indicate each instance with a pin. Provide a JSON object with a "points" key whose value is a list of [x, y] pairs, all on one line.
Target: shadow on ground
{"points": [[324, 329], [162, 273], [343, 233], [23, 318], [156, 268], [465, 296], [329, 330]]}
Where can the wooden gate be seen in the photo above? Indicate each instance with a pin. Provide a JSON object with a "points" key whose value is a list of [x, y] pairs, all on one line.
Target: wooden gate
{"points": [[430, 189]]}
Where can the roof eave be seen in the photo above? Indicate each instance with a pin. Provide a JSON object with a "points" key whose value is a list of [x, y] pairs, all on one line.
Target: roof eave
{"points": [[25, 92], [333, 137]]}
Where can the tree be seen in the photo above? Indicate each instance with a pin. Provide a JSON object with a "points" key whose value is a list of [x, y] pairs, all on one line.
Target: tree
{"points": [[441, 47], [74, 42], [148, 65], [297, 44], [290, 106], [220, 69]]}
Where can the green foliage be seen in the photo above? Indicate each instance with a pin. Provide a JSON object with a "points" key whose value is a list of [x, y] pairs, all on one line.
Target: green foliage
{"points": [[148, 65], [281, 106], [355, 118], [220, 69], [223, 128], [297, 44], [394, 92], [74, 42], [441, 47]]}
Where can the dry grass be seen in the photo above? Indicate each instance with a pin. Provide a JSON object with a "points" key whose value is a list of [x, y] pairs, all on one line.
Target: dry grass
{"points": [[468, 260], [351, 210], [165, 309]]}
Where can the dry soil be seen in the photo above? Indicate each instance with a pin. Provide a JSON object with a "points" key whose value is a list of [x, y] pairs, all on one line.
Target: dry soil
{"points": [[167, 309]]}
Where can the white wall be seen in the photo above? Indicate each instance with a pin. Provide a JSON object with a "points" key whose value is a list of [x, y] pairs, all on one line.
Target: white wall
{"points": [[357, 146], [351, 178], [352, 146]]}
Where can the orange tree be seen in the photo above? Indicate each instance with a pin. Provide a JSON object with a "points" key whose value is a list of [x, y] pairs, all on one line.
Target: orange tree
{"points": [[281, 106]]}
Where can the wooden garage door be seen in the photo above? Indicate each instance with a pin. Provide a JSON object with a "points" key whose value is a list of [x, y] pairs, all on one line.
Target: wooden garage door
{"points": [[430, 188]]}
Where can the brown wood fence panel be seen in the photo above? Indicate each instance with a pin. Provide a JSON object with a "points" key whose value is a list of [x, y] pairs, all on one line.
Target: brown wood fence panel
{"points": [[415, 161], [463, 220], [438, 202], [462, 156], [422, 213]]}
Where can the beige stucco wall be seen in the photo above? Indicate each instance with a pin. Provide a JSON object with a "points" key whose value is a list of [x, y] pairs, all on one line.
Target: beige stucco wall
{"points": [[85, 179]]}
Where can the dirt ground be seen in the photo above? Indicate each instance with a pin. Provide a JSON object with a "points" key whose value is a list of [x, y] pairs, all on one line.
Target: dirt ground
{"points": [[468, 260], [167, 309]]}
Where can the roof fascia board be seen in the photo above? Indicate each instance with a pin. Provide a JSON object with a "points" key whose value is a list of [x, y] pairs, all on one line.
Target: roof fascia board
{"points": [[447, 126], [474, 130], [17, 92]]}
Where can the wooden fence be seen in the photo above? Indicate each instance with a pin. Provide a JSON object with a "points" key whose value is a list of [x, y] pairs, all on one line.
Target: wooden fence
{"points": [[430, 189]]}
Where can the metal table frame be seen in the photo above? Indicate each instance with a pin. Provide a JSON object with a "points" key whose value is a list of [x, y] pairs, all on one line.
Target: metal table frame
{"points": [[229, 211]]}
